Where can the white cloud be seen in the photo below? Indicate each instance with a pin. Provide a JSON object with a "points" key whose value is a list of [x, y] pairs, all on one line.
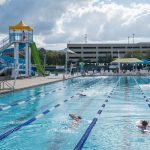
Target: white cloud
{"points": [[39, 39], [56, 22], [2, 36], [104, 21], [2, 2]]}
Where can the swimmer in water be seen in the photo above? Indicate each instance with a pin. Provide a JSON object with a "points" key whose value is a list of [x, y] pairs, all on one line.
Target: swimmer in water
{"points": [[76, 120], [74, 117], [143, 125], [81, 94]]}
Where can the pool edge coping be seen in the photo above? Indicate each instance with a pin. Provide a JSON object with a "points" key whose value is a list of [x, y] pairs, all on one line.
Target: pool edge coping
{"points": [[41, 84]]}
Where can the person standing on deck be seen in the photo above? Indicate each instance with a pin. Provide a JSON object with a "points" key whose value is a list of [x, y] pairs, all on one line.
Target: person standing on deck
{"points": [[23, 35]]}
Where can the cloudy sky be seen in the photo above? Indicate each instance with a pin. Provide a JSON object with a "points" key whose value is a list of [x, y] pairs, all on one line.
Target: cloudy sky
{"points": [[57, 22]]}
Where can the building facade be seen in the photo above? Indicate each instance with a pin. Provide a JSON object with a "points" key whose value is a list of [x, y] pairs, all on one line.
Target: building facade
{"points": [[93, 52]]}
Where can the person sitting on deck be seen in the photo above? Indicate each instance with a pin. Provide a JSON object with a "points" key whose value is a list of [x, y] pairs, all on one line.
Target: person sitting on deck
{"points": [[143, 125]]}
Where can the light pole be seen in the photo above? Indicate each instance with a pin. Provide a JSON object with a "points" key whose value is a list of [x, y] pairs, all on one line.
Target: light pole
{"points": [[66, 50], [133, 44], [85, 38], [118, 59], [66, 60], [44, 60], [133, 38], [128, 40]]}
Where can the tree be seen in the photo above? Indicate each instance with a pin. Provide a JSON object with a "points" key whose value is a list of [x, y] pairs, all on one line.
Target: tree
{"points": [[80, 60], [101, 59], [147, 54], [106, 59], [52, 57], [134, 54]]}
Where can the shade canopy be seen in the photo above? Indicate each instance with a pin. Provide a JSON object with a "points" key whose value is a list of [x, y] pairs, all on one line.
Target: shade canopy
{"points": [[144, 62], [126, 60], [20, 26]]}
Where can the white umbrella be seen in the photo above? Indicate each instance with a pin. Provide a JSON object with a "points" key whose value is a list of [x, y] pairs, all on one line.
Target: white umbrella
{"points": [[67, 50]]}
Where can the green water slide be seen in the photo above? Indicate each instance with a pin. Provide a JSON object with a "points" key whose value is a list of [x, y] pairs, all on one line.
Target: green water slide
{"points": [[36, 59]]}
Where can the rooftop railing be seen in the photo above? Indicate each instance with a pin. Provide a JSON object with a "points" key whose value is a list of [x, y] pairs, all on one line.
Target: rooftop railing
{"points": [[20, 37], [16, 37], [4, 43]]}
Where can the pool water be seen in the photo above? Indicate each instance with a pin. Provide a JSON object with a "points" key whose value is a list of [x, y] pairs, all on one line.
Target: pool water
{"points": [[114, 130]]}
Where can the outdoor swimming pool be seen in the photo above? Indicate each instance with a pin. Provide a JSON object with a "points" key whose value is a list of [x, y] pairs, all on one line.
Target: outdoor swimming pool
{"points": [[50, 127]]}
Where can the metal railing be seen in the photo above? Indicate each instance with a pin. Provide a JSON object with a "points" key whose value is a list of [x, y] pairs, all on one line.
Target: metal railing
{"points": [[5, 85], [16, 37], [22, 38], [4, 43]]}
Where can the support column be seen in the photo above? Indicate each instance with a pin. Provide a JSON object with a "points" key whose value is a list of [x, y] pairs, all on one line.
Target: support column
{"points": [[16, 54], [27, 60], [119, 63], [97, 55], [30, 65], [16, 60], [66, 61]]}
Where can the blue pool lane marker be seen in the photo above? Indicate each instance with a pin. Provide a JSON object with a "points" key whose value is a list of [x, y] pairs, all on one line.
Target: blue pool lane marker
{"points": [[31, 99], [142, 92], [9, 132], [85, 136]]}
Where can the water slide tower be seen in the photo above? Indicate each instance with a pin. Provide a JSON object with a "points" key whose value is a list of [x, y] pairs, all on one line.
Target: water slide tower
{"points": [[21, 34]]}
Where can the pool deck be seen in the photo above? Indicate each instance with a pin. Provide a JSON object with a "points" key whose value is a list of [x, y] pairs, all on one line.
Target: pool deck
{"points": [[34, 81]]}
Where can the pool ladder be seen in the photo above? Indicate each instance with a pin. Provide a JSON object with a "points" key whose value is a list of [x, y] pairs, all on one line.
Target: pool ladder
{"points": [[5, 85]]}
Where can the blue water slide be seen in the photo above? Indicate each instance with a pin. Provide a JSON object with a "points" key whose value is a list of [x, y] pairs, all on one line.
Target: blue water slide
{"points": [[11, 50], [10, 60]]}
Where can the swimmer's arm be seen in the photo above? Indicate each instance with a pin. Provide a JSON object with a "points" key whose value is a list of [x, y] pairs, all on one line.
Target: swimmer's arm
{"points": [[138, 124]]}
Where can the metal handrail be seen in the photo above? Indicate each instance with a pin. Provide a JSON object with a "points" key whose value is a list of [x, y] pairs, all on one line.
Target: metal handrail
{"points": [[4, 42], [19, 37], [16, 37], [6, 83]]}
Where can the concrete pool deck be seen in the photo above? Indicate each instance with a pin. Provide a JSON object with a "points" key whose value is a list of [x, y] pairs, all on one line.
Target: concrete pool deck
{"points": [[34, 81]]}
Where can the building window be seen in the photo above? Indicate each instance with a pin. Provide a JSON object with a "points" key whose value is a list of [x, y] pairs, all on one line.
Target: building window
{"points": [[145, 47], [120, 52], [78, 52], [74, 57], [115, 52], [119, 47], [74, 47], [89, 47], [89, 52], [104, 47], [133, 47], [103, 52], [90, 57]]}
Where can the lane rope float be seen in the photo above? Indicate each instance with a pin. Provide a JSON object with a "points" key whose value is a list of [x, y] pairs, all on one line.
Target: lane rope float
{"points": [[6, 107], [40, 94], [9, 132], [142, 92], [24, 101], [85, 136], [45, 106], [40, 109]]}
